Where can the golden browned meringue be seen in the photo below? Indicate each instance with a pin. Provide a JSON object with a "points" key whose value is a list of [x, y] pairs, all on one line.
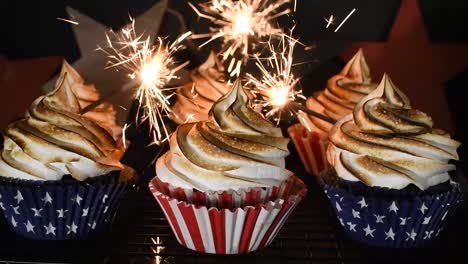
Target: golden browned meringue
{"points": [[388, 144], [195, 98], [56, 139], [237, 148], [341, 95]]}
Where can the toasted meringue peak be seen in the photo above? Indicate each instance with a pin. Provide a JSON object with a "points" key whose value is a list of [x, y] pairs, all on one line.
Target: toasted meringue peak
{"points": [[387, 110], [341, 95], [235, 148], [55, 139], [196, 97], [385, 143]]}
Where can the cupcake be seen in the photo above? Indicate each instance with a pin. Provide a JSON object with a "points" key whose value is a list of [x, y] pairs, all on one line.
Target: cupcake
{"points": [[60, 174], [390, 185], [337, 100], [195, 98], [223, 184]]}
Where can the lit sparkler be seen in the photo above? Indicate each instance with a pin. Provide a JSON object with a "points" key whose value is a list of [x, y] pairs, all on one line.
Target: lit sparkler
{"points": [[150, 67], [277, 87], [241, 24]]}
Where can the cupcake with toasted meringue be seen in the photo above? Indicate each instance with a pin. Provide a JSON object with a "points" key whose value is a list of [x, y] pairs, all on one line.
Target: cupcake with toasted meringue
{"points": [[195, 98], [224, 180], [390, 184], [60, 171], [338, 99]]}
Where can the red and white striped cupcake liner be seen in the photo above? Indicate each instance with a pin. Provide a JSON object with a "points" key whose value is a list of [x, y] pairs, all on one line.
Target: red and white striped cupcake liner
{"points": [[312, 149], [228, 231]]}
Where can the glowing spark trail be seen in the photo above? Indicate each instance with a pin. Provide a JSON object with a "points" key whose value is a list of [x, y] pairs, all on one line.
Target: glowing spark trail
{"points": [[344, 20], [150, 67], [241, 23], [68, 21], [277, 87], [330, 20]]}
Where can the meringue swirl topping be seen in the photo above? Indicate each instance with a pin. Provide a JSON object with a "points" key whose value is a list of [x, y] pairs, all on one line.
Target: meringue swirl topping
{"points": [[341, 95], [56, 139], [195, 98], [388, 144], [236, 148]]}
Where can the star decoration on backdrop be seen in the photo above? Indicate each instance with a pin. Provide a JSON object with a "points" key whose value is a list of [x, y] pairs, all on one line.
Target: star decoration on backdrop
{"points": [[90, 33], [414, 63]]}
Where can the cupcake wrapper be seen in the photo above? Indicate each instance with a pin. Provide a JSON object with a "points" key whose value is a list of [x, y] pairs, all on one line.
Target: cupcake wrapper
{"points": [[311, 149], [57, 210], [227, 231], [225, 199], [373, 219]]}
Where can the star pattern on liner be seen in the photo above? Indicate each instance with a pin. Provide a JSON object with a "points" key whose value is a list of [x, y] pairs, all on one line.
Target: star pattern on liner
{"points": [[13, 222], [411, 235], [85, 212], [341, 221], [106, 208], [393, 207], [356, 214], [47, 199], [445, 215], [37, 212], [77, 199], [93, 225], [72, 228], [104, 198], [428, 234], [438, 231], [19, 197], [338, 207], [2, 206], [15, 209], [404, 220], [363, 203], [352, 227], [50, 229], [369, 231], [423, 208], [390, 234], [29, 227], [427, 220], [379, 218], [61, 213]]}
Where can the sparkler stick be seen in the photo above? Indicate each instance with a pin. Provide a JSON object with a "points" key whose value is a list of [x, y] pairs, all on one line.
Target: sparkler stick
{"points": [[150, 67]]}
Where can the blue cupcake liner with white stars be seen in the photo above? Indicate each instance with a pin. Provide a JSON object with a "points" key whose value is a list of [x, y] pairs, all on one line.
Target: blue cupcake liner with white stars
{"points": [[376, 219], [60, 210]]}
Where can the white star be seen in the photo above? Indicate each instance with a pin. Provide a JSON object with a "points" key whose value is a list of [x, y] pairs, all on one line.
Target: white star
{"points": [[438, 231], [61, 213], [428, 234], [338, 207], [379, 218], [37, 212], [341, 199], [352, 227], [29, 227], [393, 207], [404, 220], [337, 195], [1, 206], [390, 234], [426, 220], [18, 197], [356, 214], [77, 199], [47, 198], [423, 208], [72, 229], [106, 208], [92, 226], [363, 203], [50, 229], [341, 222], [411, 235], [85, 212], [15, 209], [369, 231], [13, 222], [445, 215], [104, 198]]}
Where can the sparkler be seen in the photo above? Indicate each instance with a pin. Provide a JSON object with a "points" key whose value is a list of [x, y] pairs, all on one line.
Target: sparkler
{"points": [[241, 24], [150, 67]]}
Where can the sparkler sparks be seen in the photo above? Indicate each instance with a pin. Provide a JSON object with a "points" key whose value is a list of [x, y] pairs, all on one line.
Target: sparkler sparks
{"points": [[241, 23], [277, 86], [150, 67], [344, 20]]}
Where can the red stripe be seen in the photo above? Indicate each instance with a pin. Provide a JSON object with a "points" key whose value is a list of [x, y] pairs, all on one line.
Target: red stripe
{"points": [[225, 200], [275, 222], [317, 151], [192, 225], [218, 230], [249, 225], [164, 203]]}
